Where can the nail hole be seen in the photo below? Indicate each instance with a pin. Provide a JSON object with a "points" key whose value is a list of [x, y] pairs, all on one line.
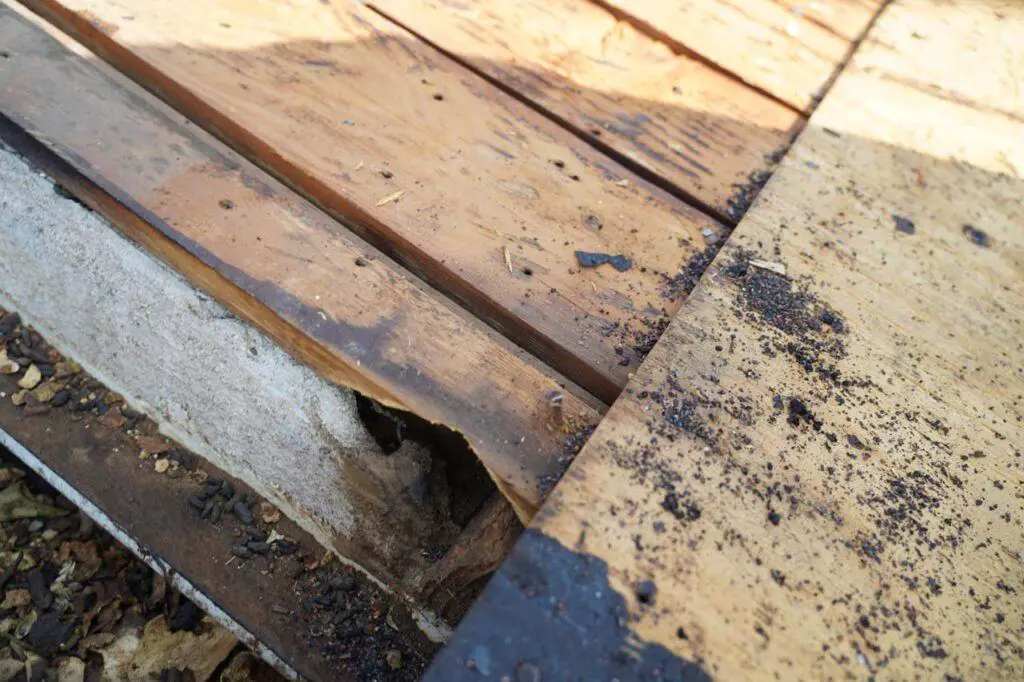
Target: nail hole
{"points": [[226, 204], [528, 271], [645, 592], [361, 262]]}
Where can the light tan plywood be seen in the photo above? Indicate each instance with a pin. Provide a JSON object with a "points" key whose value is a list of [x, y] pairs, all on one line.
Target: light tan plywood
{"points": [[818, 472]]}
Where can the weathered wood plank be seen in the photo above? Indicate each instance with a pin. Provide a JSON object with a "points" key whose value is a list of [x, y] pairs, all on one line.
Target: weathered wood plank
{"points": [[816, 474], [982, 69], [759, 41], [690, 124], [352, 110], [327, 297]]}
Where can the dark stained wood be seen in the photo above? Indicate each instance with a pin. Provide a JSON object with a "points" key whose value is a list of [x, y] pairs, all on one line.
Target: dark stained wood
{"points": [[448, 587], [699, 129], [328, 298], [759, 41], [816, 475], [352, 110]]}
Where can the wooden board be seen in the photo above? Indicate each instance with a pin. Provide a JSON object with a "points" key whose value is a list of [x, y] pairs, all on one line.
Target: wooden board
{"points": [[352, 111], [994, 59], [331, 300], [847, 18], [759, 41], [703, 132], [815, 475]]}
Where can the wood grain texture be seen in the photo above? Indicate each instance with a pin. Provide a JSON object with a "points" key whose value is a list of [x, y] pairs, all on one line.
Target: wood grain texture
{"points": [[817, 475], [759, 41], [328, 298], [352, 110], [986, 73], [847, 18], [700, 130]]}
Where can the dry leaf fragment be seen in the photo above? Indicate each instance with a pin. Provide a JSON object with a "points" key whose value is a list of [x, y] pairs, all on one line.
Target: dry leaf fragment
{"points": [[153, 445], [32, 378]]}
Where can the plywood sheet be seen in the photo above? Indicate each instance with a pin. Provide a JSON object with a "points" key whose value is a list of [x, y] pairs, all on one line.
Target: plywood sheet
{"points": [[847, 18], [759, 41], [818, 472], [434, 165], [706, 134]]}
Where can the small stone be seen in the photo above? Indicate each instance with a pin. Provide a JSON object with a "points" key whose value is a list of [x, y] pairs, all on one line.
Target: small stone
{"points": [[394, 659], [36, 525], [344, 583], [63, 370], [16, 599], [241, 551], [254, 533], [71, 669], [31, 379], [161, 465], [60, 398], [242, 513], [19, 397], [284, 548], [269, 513], [44, 393], [8, 366], [9, 322]]}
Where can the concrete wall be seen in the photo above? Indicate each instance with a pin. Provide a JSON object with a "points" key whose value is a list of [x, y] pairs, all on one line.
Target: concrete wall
{"points": [[212, 382]]}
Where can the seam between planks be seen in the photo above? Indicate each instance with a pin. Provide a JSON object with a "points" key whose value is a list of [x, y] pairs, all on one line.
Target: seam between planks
{"points": [[654, 33], [635, 167], [354, 218]]}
